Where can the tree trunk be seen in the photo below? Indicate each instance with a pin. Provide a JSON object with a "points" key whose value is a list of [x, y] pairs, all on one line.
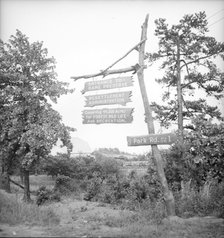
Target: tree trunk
{"points": [[26, 196], [5, 182], [21, 175], [179, 97]]}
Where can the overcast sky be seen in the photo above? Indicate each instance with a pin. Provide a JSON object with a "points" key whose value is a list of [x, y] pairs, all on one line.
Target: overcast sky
{"points": [[87, 36]]}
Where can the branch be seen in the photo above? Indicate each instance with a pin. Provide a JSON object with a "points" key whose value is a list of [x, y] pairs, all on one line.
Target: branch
{"points": [[104, 73], [187, 84], [133, 48], [185, 104], [185, 65], [19, 185], [191, 127], [197, 60]]}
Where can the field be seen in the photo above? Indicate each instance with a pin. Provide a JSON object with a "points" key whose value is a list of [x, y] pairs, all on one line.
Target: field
{"points": [[73, 216]]}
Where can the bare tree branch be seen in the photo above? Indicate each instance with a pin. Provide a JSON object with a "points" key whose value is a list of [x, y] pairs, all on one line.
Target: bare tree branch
{"points": [[105, 73], [133, 48], [17, 184]]}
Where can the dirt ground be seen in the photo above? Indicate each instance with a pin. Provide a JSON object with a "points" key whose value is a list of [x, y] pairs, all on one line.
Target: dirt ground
{"points": [[90, 219]]}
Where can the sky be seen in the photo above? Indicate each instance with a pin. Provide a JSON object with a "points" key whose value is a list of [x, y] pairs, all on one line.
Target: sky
{"points": [[87, 36]]}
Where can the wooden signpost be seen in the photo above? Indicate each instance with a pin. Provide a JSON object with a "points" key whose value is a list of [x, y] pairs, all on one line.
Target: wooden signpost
{"points": [[124, 115], [121, 98], [108, 115], [152, 139], [111, 83]]}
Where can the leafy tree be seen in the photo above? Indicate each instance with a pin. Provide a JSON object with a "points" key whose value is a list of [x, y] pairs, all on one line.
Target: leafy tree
{"points": [[29, 125], [206, 142], [203, 157], [189, 59]]}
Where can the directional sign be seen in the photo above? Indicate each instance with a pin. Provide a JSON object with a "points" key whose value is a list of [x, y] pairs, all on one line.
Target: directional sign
{"points": [[152, 139], [107, 99], [108, 115], [108, 84]]}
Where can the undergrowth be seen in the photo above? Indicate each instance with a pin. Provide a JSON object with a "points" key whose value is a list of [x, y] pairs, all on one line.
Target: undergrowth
{"points": [[209, 200], [14, 211]]}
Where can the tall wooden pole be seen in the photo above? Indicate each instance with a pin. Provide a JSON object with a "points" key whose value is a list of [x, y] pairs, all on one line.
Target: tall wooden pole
{"points": [[168, 195]]}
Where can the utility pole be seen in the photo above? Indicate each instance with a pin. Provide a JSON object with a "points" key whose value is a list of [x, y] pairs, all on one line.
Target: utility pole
{"points": [[168, 195]]}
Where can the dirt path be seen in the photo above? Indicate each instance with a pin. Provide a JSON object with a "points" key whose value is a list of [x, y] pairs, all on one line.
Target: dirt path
{"points": [[84, 219]]}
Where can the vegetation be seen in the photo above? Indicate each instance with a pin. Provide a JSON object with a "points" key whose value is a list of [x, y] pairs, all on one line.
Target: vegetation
{"points": [[29, 126], [190, 59], [14, 211]]}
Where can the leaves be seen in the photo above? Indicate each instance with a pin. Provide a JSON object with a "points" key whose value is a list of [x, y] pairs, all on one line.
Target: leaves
{"points": [[29, 125], [199, 56]]}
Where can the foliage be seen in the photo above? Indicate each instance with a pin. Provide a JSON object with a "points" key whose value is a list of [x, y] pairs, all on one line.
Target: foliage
{"points": [[109, 151], [203, 156], [130, 191], [206, 142], [79, 167], [65, 185], [46, 195], [207, 201], [13, 211], [185, 48], [93, 187], [29, 126], [60, 164]]}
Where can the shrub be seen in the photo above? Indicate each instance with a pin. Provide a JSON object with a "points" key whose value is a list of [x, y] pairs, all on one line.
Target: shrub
{"points": [[129, 191], [216, 194], [93, 187], [46, 195], [208, 201], [65, 185], [14, 211]]}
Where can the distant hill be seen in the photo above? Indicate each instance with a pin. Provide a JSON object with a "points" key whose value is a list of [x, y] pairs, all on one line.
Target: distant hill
{"points": [[114, 153], [79, 146]]}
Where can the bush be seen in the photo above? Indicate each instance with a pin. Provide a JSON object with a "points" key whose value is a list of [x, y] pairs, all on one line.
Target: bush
{"points": [[129, 191], [65, 185], [93, 187], [208, 201], [14, 211], [45, 195]]}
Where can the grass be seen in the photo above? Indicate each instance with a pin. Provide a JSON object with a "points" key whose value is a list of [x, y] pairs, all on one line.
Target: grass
{"points": [[208, 201], [13, 211], [36, 181], [147, 221]]}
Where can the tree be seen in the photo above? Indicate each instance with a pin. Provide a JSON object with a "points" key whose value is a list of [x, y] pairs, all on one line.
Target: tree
{"points": [[206, 148], [29, 125], [189, 59], [204, 153]]}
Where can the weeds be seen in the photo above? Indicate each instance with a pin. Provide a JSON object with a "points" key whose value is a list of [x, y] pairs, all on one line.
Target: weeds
{"points": [[209, 200], [14, 211], [46, 195]]}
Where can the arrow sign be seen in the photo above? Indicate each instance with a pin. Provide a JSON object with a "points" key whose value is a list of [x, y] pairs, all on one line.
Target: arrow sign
{"points": [[152, 139]]}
